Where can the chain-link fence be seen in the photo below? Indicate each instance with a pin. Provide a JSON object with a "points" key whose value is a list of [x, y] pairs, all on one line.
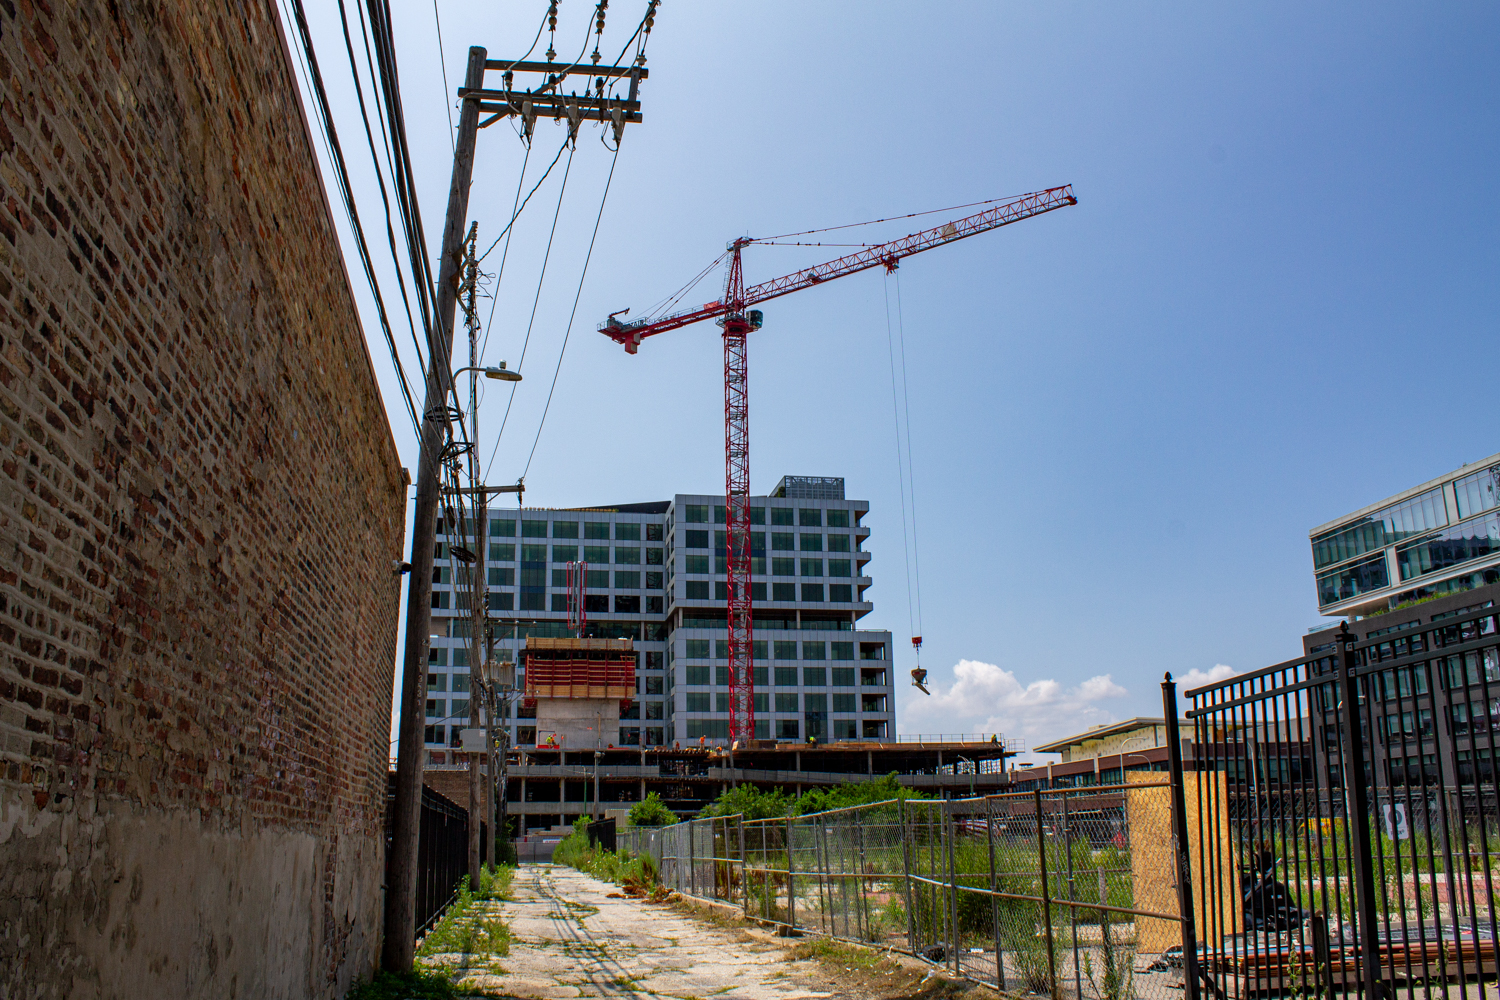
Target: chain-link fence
{"points": [[1066, 893]]}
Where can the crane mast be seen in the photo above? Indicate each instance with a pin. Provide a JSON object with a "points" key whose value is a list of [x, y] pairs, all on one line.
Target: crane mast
{"points": [[733, 314]]}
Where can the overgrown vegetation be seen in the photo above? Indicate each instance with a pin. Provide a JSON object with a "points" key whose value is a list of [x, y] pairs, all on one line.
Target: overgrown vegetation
{"points": [[469, 928], [755, 803], [420, 984], [651, 811], [636, 874]]}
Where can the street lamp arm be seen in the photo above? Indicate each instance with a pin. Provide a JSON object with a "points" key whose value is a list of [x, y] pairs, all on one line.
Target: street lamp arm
{"points": [[499, 371]]}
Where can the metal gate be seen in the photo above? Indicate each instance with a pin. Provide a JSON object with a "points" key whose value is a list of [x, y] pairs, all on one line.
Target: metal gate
{"points": [[1341, 821]]}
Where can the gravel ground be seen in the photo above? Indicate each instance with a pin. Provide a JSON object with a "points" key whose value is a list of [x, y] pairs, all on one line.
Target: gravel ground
{"points": [[571, 939]]}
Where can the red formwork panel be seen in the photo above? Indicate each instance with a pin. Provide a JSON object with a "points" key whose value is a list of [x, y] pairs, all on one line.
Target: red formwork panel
{"points": [[580, 668]]}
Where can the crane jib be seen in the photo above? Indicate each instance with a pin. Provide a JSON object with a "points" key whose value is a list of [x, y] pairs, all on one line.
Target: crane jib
{"points": [[885, 254]]}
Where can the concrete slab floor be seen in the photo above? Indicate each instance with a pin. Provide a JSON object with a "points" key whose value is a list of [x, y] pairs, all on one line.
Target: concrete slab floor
{"points": [[570, 939]]}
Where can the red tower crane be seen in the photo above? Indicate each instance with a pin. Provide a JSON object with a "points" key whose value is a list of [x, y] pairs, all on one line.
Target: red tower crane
{"points": [[734, 315]]}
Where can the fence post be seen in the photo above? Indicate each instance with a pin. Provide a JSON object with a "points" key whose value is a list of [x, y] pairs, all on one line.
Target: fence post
{"points": [[1322, 957], [692, 862], [861, 883], [1184, 874], [1352, 754], [791, 880], [911, 916], [952, 885], [1041, 856], [744, 877]]}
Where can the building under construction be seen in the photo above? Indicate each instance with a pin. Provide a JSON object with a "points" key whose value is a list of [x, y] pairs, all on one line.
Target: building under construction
{"points": [[653, 576]]}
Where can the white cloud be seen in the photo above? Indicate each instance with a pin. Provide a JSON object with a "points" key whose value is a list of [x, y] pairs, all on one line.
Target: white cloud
{"points": [[1197, 678], [984, 698]]}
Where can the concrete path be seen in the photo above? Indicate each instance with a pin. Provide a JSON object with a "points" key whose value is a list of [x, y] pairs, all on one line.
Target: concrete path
{"points": [[570, 939]]}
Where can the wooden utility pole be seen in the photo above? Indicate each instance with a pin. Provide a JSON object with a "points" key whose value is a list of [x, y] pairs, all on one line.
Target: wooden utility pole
{"points": [[478, 596], [401, 897]]}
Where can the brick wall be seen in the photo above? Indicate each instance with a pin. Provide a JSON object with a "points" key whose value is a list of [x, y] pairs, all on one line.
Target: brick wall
{"points": [[200, 503]]}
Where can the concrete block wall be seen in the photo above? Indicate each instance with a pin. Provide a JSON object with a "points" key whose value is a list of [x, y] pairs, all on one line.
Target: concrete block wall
{"points": [[200, 502]]}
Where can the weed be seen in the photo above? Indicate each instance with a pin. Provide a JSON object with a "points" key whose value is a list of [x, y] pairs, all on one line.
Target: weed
{"points": [[420, 984]]}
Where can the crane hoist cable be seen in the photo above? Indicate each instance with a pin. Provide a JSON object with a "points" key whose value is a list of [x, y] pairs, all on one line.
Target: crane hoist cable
{"points": [[906, 480]]}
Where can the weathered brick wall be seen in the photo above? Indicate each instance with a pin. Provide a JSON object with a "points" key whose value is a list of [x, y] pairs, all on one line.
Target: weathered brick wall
{"points": [[200, 503]]}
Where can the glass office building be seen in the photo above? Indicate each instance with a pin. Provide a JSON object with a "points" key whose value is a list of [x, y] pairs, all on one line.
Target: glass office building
{"points": [[656, 574], [1441, 537]]}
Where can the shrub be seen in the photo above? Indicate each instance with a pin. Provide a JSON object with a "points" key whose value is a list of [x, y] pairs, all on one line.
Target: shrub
{"points": [[651, 811]]}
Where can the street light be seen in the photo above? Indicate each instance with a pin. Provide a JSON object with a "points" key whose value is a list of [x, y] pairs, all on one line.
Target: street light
{"points": [[598, 756], [499, 371]]}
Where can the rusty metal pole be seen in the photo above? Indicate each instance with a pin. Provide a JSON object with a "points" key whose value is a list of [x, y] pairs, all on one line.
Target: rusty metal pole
{"points": [[399, 945], [1041, 856]]}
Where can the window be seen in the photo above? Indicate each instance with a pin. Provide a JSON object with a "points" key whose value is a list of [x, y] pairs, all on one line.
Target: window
{"points": [[785, 650], [653, 581], [787, 729], [559, 578], [812, 593], [843, 676], [842, 651], [502, 602], [812, 543], [699, 702], [627, 580], [762, 703], [721, 676], [441, 574], [814, 676], [718, 513], [810, 518], [559, 602], [786, 702], [838, 543], [435, 734], [596, 603], [440, 601], [436, 708], [654, 606], [815, 702], [786, 677], [596, 529], [783, 591], [459, 707], [842, 593], [460, 657], [843, 703], [655, 736], [782, 515], [627, 555], [839, 567], [872, 703], [695, 590], [564, 529], [757, 591], [815, 651], [812, 567], [654, 557], [596, 579], [564, 553], [653, 532], [783, 566], [1411, 517], [721, 701], [437, 683], [533, 529], [721, 649], [627, 605], [783, 541], [838, 519], [628, 531], [630, 737], [721, 590], [534, 553], [502, 528], [654, 685], [757, 515], [596, 553], [762, 677], [655, 709], [438, 656], [695, 564], [1470, 540], [695, 539], [695, 513], [502, 553], [502, 577], [697, 649], [1351, 581]]}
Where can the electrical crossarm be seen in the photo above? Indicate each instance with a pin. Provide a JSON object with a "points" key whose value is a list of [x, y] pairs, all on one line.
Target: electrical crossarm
{"points": [[733, 314]]}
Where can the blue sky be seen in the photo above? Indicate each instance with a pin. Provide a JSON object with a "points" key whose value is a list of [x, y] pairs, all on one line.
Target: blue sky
{"points": [[1275, 302]]}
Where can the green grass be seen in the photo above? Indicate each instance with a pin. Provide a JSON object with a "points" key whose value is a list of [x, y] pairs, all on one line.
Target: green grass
{"points": [[466, 928], [420, 984], [846, 956]]}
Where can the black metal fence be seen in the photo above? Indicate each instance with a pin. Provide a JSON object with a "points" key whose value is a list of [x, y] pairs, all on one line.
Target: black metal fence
{"points": [[442, 851], [1341, 818]]}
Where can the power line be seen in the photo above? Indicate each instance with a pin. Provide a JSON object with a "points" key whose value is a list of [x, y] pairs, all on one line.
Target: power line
{"points": [[584, 273], [443, 65], [537, 299], [893, 218]]}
